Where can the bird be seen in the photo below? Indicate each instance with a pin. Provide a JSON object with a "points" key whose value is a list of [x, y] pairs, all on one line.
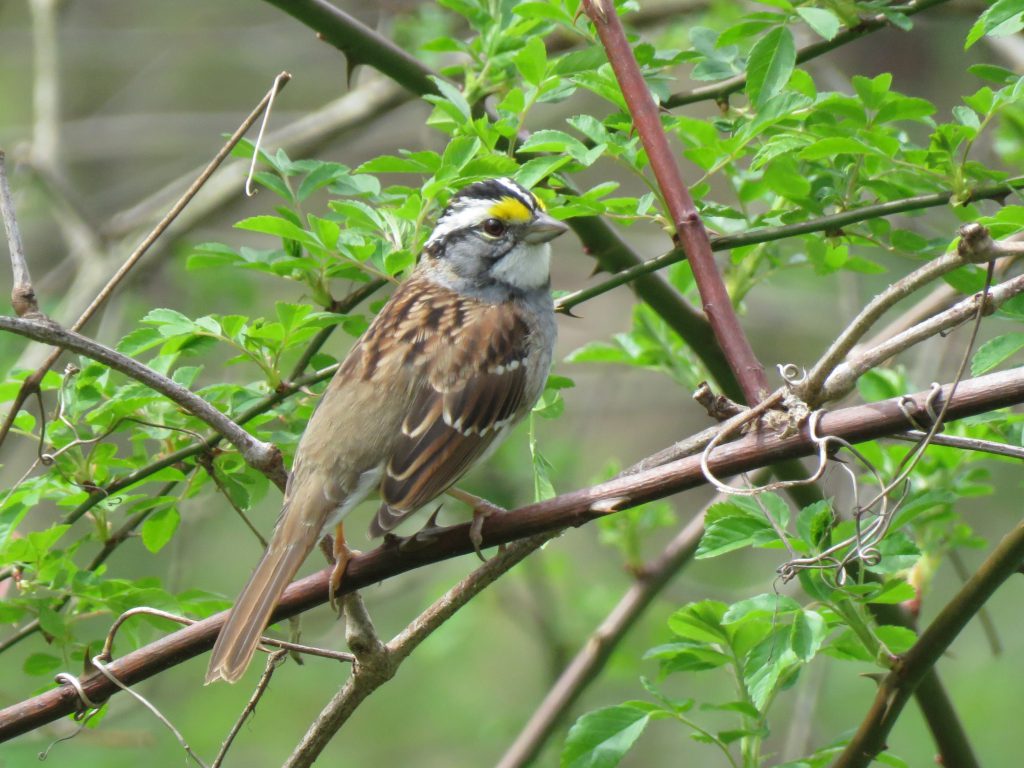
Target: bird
{"points": [[457, 356]]}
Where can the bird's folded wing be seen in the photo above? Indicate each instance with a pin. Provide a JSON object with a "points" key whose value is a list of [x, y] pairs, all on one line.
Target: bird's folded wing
{"points": [[476, 390]]}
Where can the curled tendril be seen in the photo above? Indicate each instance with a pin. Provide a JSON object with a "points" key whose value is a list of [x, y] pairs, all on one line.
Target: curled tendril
{"points": [[792, 374]]}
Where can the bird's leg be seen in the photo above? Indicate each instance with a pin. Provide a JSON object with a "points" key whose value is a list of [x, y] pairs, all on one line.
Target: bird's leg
{"points": [[342, 554], [482, 509]]}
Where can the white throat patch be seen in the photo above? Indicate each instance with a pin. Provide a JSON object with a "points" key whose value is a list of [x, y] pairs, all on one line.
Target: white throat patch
{"points": [[526, 266]]}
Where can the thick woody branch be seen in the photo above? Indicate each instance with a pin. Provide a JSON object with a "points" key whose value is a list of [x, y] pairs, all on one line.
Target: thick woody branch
{"points": [[855, 424], [262, 456], [721, 90], [360, 44], [690, 234]]}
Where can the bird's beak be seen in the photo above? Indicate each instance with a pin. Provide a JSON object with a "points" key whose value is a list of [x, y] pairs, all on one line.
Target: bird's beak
{"points": [[544, 228]]}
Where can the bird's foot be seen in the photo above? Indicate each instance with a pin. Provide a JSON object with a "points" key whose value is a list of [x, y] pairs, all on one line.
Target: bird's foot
{"points": [[482, 509], [341, 553]]}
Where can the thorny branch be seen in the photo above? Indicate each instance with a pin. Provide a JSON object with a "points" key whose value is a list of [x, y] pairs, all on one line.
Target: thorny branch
{"points": [[855, 424], [829, 223], [690, 233]]}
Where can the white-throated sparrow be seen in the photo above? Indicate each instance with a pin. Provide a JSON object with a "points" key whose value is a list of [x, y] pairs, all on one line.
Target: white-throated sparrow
{"points": [[457, 356]]}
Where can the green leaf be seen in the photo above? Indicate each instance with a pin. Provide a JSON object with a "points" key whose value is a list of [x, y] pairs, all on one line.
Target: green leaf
{"points": [[170, 322], [897, 639], [537, 169], [41, 664], [807, 634], [321, 176], [160, 527], [531, 60], [835, 145], [733, 531], [701, 622], [140, 340], [454, 96], [994, 16], [821, 20], [995, 351], [767, 604], [600, 739], [770, 64], [275, 225]]}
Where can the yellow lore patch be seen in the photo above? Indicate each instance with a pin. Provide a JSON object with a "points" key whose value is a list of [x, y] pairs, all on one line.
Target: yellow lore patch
{"points": [[511, 209]]}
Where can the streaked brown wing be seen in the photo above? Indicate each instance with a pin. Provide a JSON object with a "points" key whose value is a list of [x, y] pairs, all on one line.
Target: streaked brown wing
{"points": [[476, 388]]}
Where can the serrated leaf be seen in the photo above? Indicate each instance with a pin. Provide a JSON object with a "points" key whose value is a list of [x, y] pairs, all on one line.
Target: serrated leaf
{"points": [[807, 634], [771, 62], [995, 351], [140, 340], [821, 20], [767, 604], [600, 739], [454, 96], [835, 145], [531, 60], [730, 533], [537, 169], [993, 17], [897, 639]]}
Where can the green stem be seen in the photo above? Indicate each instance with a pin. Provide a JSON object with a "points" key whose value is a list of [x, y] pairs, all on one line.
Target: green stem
{"points": [[726, 88]]}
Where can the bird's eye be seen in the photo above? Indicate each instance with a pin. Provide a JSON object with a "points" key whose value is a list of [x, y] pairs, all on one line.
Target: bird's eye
{"points": [[494, 227]]}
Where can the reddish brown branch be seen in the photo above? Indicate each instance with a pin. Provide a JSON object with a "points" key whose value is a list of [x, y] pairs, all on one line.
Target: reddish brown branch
{"points": [[854, 424], [690, 233]]}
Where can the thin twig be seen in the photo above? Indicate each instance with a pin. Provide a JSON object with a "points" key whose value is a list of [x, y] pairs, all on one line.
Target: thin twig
{"points": [[810, 389], [272, 662], [100, 665], [370, 100], [725, 88], [844, 377], [31, 383], [310, 650], [830, 223], [963, 443], [205, 461], [23, 295], [690, 233]]}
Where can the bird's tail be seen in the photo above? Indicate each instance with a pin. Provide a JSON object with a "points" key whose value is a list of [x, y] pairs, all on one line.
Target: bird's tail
{"points": [[246, 621]]}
